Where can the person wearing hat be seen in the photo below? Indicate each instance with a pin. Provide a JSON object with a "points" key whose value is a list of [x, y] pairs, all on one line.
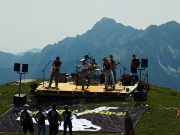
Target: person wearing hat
{"points": [[84, 68], [54, 119], [67, 120], [40, 118], [26, 120], [55, 72]]}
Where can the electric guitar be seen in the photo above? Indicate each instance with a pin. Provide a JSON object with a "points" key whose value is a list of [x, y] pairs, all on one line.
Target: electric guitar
{"points": [[104, 70], [146, 85], [53, 68]]}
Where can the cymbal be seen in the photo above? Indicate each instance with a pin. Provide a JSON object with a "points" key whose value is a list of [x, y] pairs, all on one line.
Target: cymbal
{"points": [[81, 60], [97, 69]]}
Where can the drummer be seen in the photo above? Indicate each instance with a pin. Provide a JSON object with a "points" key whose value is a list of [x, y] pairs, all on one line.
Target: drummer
{"points": [[93, 65]]}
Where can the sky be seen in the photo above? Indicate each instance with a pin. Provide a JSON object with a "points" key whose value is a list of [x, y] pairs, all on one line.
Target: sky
{"points": [[28, 24]]}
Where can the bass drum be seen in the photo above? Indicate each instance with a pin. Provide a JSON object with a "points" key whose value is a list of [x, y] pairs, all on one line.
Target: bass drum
{"points": [[101, 78], [77, 79]]}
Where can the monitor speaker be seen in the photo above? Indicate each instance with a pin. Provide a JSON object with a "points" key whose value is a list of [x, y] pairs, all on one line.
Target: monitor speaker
{"points": [[144, 63], [25, 68], [17, 67]]}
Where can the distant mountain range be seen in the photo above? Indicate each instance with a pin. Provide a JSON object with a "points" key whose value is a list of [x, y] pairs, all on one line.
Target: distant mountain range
{"points": [[34, 50], [159, 44]]}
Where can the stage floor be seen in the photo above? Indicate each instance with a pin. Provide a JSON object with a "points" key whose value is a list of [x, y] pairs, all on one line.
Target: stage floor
{"points": [[70, 89]]}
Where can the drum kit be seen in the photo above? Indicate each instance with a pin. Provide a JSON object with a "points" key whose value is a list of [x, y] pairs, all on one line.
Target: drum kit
{"points": [[92, 76]]}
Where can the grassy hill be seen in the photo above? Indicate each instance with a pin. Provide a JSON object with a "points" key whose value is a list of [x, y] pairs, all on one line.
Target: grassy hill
{"points": [[158, 119]]}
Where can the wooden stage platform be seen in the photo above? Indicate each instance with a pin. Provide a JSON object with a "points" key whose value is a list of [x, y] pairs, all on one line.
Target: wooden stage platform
{"points": [[71, 90]]}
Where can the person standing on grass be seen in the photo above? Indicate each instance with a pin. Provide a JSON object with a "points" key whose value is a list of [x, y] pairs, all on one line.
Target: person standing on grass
{"points": [[40, 117], [54, 119], [67, 120], [26, 120]]}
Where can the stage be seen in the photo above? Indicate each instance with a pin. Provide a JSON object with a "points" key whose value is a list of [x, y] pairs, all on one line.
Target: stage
{"points": [[72, 90]]}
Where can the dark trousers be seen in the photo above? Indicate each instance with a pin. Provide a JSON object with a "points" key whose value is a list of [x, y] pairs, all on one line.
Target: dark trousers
{"points": [[53, 129], [84, 82], [54, 75], [69, 124]]}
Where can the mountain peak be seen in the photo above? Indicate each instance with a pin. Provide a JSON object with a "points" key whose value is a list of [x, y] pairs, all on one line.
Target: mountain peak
{"points": [[105, 22]]}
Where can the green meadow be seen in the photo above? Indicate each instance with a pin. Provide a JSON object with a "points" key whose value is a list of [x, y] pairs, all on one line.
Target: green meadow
{"points": [[159, 118]]}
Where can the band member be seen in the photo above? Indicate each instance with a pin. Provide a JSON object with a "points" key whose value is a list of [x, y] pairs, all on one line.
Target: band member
{"points": [[134, 64], [107, 66], [113, 63], [93, 65], [84, 68], [55, 72], [67, 120]]}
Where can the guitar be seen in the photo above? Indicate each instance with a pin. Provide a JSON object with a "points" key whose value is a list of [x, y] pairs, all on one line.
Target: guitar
{"points": [[104, 70], [146, 85], [53, 68]]}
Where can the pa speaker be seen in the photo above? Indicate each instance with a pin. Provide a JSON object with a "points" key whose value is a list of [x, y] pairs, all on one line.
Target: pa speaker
{"points": [[19, 99], [144, 63], [62, 77], [17, 67], [25, 68]]}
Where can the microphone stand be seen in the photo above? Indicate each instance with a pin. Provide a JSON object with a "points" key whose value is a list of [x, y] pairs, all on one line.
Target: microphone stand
{"points": [[77, 75], [124, 68], [44, 71]]}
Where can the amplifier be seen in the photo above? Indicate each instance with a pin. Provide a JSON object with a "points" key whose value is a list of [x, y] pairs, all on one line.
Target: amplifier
{"points": [[127, 79], [62, 77]]}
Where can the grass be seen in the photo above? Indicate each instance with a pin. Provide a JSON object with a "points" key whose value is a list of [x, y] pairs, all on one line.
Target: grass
{"points": [[158, 119]]}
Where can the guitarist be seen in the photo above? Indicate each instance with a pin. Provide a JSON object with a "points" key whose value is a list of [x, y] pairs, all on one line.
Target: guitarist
{"points": [[113, 63], [55, 72], [84, 68], [107, 66]]}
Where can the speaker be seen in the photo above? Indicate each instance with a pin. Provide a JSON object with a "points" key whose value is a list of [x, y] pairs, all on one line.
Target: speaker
{"points": [[19, 100], [62, 77], [25, 68], [33, 86], [140, 95], [17, 67], [144, 63]]}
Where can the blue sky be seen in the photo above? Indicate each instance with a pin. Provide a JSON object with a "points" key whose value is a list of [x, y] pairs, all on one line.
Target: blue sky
{"points": [[27, 24]]}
